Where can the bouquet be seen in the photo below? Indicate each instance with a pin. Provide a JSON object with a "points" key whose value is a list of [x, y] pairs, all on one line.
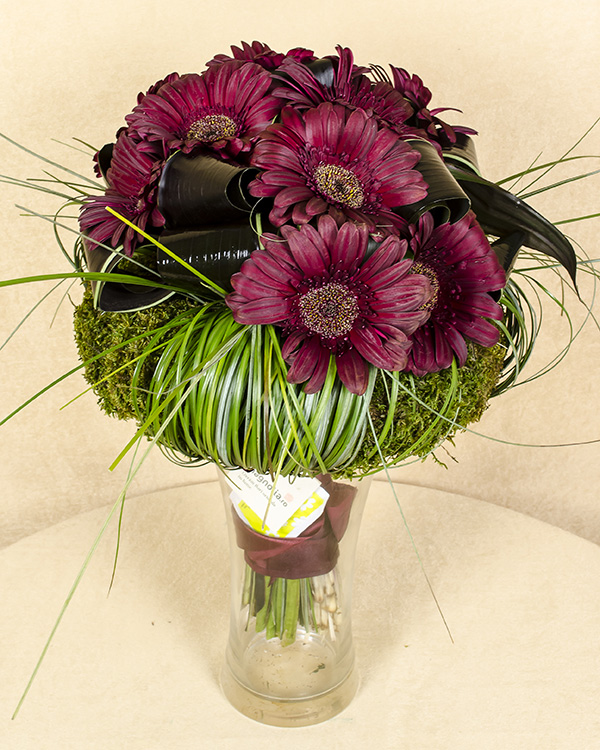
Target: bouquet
{"points": [[293, 268]]}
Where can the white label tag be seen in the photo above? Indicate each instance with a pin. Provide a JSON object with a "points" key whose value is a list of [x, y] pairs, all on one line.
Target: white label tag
{"points": [[292, 505]]}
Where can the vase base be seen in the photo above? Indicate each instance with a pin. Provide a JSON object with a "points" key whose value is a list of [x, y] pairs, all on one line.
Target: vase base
{"points": [[288, 712]]}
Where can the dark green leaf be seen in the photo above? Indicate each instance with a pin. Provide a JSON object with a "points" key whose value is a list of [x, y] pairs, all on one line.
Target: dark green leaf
{"points": [[445, 200], [197, 191]]}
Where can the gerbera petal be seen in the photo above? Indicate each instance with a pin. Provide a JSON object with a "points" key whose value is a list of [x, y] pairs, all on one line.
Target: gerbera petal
{"points": [[462, 267], [458, 344], [309, 282], [480, 304], [317, 379], [291, 195], [291, 344], [350, 246], [315, 206], [305, 360], [258, 311], [370, 346], [391, 250], [341, 157], [353, 371], [308, 250], [479, 331], [442, 349]]}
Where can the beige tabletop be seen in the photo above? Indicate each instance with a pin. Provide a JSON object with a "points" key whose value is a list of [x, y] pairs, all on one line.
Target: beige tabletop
{"points": [[139, 669]]}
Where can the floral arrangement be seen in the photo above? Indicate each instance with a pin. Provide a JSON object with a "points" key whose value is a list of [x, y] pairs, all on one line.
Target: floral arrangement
{"points": [[327, 231], [293, 265]]}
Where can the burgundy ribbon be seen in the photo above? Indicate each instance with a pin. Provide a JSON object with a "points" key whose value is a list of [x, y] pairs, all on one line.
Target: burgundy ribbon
{"points": [[314, 552]]}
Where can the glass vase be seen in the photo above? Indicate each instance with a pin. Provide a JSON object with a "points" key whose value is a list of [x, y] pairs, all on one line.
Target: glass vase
{"points": [[289, 659]]}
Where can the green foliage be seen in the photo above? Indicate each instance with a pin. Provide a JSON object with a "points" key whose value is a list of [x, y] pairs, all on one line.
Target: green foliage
{"points": [[229, 402], [422, 412], [97, 332]]}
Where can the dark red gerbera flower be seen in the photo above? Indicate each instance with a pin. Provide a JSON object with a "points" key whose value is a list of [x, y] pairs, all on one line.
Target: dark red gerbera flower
{"points": [[155, 88], [133, 182], [257, 52], [348, 86], [462, 268], [331, 159], [262, 55], [221, 111], [301, 54], [333, 301], [415, 91]]}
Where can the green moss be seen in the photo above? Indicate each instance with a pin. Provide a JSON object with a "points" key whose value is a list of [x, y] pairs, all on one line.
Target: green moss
{"points": [[417, 429], [97, 332], [460, 394]]}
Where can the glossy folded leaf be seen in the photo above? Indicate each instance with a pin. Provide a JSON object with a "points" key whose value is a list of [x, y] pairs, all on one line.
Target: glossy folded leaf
{"points": [[506, 216], [323, 70], [217, 252], [507, 249], [462, 151], [113, 296], [104, 158], [198, 191], [445, 200]]}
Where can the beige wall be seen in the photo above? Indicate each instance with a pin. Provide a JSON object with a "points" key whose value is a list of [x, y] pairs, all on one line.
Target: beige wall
{"points": [[525, 76]]}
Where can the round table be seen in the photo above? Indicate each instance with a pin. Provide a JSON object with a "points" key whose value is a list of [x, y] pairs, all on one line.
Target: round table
{"points": [[139, 668]]}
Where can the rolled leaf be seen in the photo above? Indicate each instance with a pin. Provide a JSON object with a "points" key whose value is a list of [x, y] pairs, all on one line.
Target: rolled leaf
{"points": [[197, 191], [446, 200], [112, 296], [216, 252]]}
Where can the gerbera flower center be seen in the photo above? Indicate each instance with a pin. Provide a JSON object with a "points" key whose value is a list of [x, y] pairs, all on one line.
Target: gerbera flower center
{"points": [[212, 128], [435, 284], [339, 185], [329, 310]]}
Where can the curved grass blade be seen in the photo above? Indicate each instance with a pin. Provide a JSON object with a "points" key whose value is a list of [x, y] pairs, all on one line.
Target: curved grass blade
{"points": [[566, 154], [554, 163], [205, 280], [30, 312], [407, 527], [65, 605], [49, 161]]}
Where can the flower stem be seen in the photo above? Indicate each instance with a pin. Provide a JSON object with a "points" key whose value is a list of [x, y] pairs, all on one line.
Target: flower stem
{"points": [[280, 606]]}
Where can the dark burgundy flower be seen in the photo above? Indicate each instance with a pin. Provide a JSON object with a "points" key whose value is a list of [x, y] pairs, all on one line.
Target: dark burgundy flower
{"points": [[221, 111], [262, 55], [462, 268], [155, 88], [415, 91], [305, 89], [257, 52], [331, 300], [133, 182], [301, 54], [349, 86], [99, 171], [331, 159]]}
